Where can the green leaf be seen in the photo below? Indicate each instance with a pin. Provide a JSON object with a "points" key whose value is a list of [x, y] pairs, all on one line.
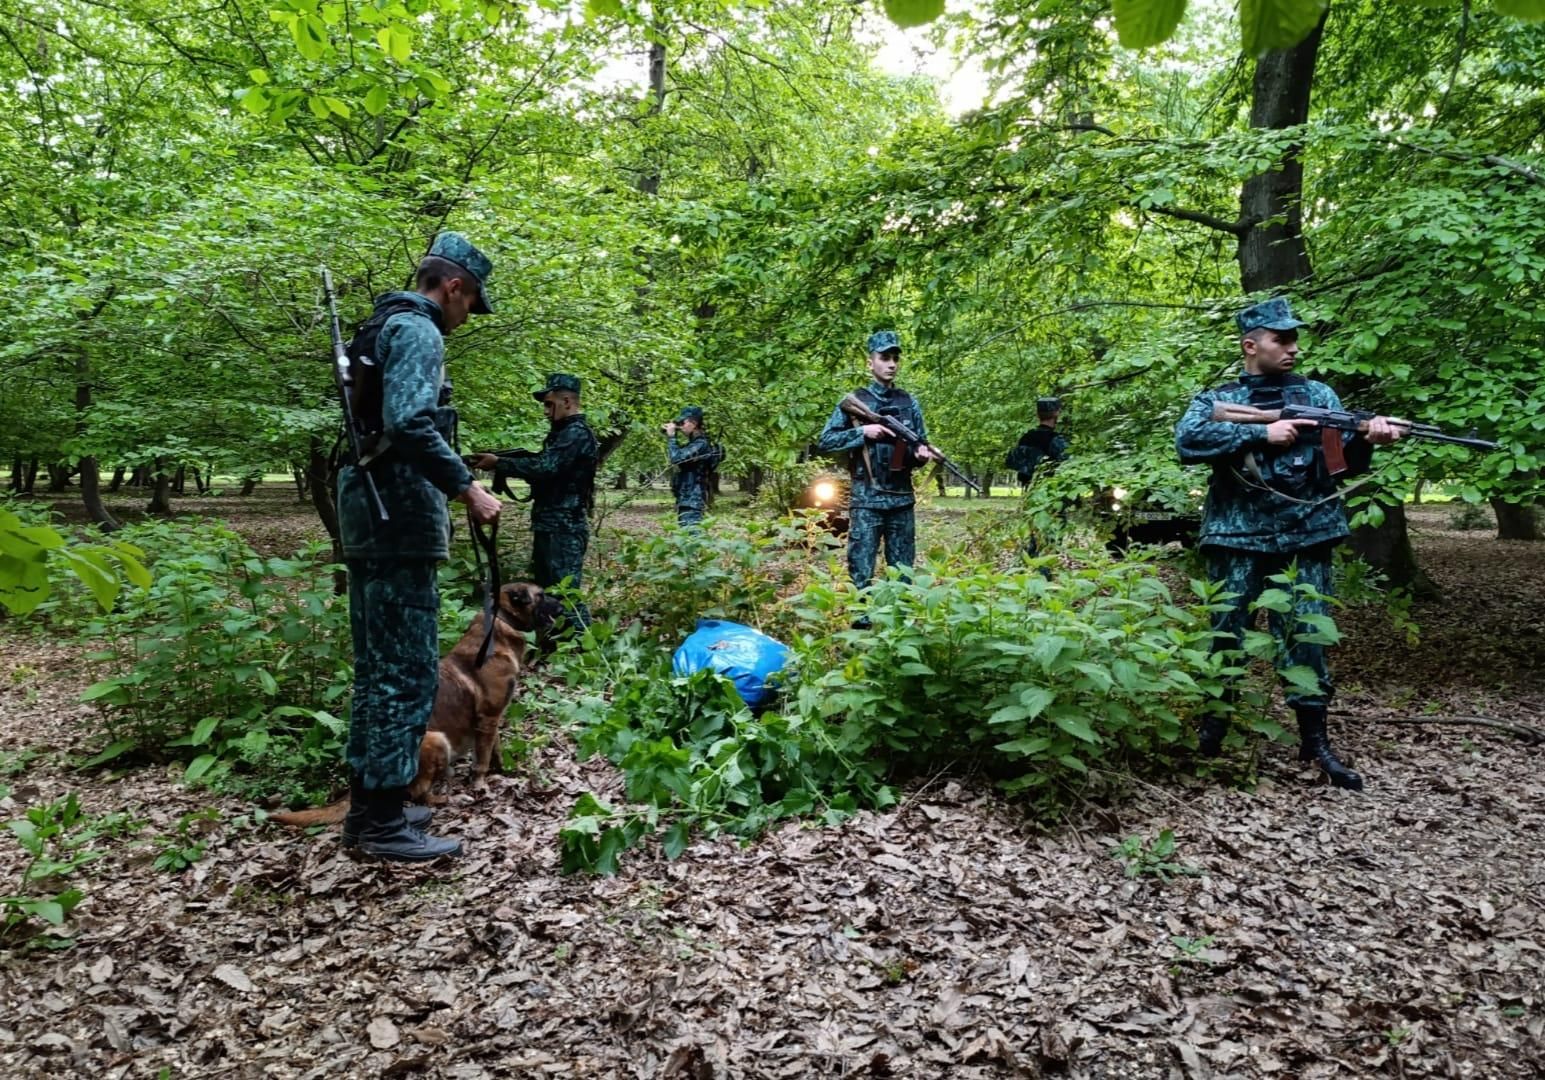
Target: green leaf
{"points": [[1024, 747], [203, 730], [377, 99], [1276, 24], [95, 573], [318, 107], [259, 76], [198, 767], [109, 752], [336, 107], [675, 839], [310, 35], [905, 13], [48, 910], [254, 99], [1528, 10], [1141, 24], [399, 44], [100, 690], [1077, 727], [603, 9]]}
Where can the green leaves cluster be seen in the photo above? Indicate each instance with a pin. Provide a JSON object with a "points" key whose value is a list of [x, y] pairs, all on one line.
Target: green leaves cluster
{"points": [[30, 554]]}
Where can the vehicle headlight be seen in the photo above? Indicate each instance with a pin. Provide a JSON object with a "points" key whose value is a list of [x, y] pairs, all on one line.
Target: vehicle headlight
{"points": [[825, 491], [1115, 506], [1118, 493]]}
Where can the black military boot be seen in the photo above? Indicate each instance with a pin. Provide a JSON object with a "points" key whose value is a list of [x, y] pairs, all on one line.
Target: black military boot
{"points": [[387, 834], [1209, 737], [354, 821], [1314, 745]]}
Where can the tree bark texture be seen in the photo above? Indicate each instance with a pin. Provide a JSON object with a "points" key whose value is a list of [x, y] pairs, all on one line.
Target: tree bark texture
{"points": [[1387, 548], [90, 476], [1517, 521], [1272, 252], [161, 494]]}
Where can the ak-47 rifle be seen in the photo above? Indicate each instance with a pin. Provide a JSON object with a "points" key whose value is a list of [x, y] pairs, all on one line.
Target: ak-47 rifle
{"points": [[854, 406], [343, 378], [1332, 422]]}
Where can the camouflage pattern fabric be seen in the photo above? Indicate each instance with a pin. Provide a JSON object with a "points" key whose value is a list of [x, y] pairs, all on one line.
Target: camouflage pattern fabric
{"points": [[556, 556], [419, 470], [1294, 506], [1246, 573], [688, 517], [1040, 443], [689, 476], [868, 528], [456, 248], [561, 475], [883, 489], [393, 616]]}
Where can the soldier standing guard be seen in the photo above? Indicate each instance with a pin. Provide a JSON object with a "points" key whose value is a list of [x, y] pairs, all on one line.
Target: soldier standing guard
{"points": [[393, 598], [562, 479], [882, 500], [1276, 510], [690, 465]]}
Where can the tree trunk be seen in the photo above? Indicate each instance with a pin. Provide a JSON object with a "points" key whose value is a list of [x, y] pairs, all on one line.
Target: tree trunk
{"points": [[90, 477], [249, 483], [29, 482], [118, 475], [1272, 252], [752, 479], [1517, 521], [17, 469], [58, 476], [180, 481], [300, 482], [161, 494], [140, 477], [620, 482], [1387, 548]]}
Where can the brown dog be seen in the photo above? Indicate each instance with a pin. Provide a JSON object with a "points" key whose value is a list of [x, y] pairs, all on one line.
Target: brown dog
{"points": [[469, 703]]}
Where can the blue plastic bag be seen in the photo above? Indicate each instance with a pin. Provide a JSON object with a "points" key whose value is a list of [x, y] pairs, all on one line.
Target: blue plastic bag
{"points": [[745, 656]]}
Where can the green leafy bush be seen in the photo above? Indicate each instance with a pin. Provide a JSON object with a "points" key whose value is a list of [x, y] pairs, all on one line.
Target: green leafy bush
{"points": [[236, 663], [55, 837], [32, 550]]}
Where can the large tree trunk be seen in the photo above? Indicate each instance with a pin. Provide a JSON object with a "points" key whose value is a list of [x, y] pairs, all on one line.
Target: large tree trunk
{"points": [[1517, 521], [1272, 252], [59, 475], [249, 484], [90, 477], [161, 494], [118, 475], [1387, 548], [29, 482], [752, 479]]}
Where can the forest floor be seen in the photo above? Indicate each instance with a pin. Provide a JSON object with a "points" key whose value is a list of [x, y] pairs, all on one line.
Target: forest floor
{"points": [[1313, 933]]}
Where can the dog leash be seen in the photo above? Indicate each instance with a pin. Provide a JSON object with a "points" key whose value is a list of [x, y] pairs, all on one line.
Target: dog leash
{"points": [[487, 541]]}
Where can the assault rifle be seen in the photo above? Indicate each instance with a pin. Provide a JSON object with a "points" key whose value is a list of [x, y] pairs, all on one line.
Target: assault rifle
{"points": [[343, 378], [854, 407], [501, 484], [1333, 421]]}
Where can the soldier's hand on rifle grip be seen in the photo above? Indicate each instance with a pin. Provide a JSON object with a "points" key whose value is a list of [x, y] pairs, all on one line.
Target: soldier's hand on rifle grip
{"points": [[1381, 432], [483, 507], [1285, 432], [484, 462], [923, 452], [877, 432]]}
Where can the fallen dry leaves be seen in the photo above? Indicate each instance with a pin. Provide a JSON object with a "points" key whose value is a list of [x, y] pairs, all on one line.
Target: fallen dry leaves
{"points": [[1400, 933]]}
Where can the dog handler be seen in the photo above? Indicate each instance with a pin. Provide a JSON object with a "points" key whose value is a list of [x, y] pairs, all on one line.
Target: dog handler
{"points": [[393, 599]]}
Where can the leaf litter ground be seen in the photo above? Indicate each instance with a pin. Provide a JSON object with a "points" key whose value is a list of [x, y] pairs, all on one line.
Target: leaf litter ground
{"points": [[1398, 933]]}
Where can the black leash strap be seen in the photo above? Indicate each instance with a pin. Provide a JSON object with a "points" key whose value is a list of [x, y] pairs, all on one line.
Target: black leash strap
{"points": [[487, 539]]}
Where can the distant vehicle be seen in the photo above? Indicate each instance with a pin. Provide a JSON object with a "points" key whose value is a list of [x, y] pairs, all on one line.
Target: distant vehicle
{"points": [[827, 493]]}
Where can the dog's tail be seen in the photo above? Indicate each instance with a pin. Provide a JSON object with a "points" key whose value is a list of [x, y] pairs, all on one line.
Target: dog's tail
{"points": [[330, 814]]}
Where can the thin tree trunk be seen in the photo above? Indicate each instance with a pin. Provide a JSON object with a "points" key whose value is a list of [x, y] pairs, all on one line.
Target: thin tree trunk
{"points": [[249, 483], [117, 482], [30, 481], [1387, 548], [299, 475], [90, 477], [322, 482]]}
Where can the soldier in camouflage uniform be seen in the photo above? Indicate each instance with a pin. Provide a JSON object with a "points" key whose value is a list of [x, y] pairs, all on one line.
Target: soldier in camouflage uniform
{"points": [[1272, 504], [689, 464], [1041, 443], [393, 599], [562, 479], [880, 505]]}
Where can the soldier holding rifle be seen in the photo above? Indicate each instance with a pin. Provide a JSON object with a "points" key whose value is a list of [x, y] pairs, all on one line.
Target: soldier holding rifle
{"points": [[1273, 503], [881, 430]]}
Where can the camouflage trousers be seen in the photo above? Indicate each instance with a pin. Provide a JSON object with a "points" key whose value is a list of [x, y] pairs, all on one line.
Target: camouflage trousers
{"points": [[556, 556], [1245, 573], [689, 516], [394, 609], [868, 528]]}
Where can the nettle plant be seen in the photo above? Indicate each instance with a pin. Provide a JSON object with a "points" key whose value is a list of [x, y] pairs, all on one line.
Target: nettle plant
{"points": [[1051, 685], [237, 664]]}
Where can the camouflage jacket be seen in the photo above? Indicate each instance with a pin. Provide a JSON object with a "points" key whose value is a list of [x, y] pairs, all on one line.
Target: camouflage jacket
{"points": [[561, 475], [689, 475], [1293, 505], [419, 470], [877, 485], [1040, 443]]}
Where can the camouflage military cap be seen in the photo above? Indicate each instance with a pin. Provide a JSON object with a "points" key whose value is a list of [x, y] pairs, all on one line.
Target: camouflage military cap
{"points": [[691, 412], [1273, 314], [882, 340], [456, 248], [558, 381], [1048, 406]]}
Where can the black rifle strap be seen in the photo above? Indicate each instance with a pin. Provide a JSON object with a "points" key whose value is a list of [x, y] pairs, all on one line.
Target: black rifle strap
{"points": [[488, 540]]}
